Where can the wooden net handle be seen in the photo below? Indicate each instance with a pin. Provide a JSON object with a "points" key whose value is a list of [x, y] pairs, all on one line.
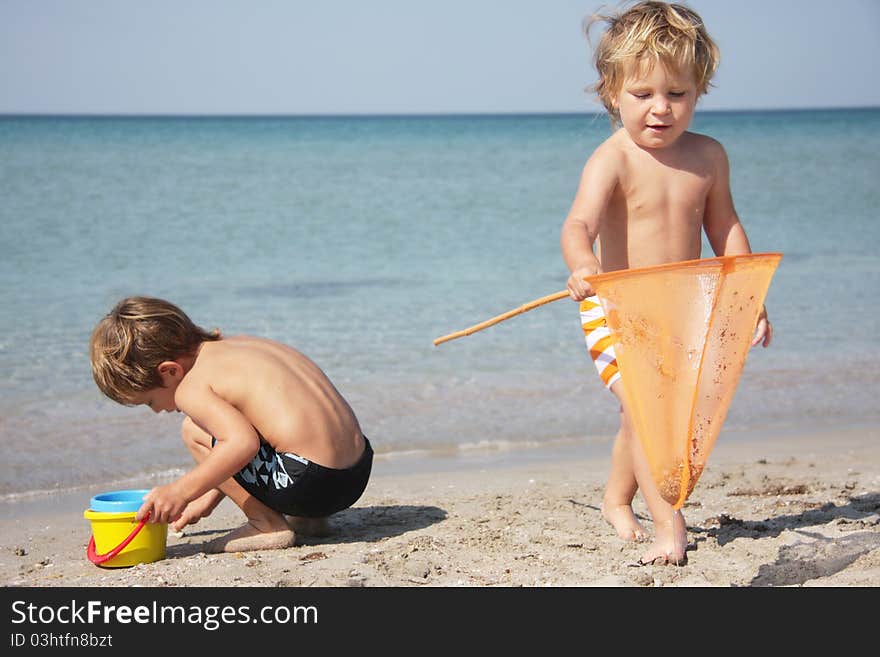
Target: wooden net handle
{"points": [[500, 318]]}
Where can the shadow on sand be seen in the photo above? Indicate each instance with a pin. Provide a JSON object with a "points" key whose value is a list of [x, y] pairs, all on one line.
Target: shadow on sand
{"points": [[360, 524], [817, 555]]}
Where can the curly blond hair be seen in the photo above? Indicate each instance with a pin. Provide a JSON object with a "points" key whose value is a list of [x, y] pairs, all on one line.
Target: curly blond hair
{"points": [[130, 342], [671, 34]]}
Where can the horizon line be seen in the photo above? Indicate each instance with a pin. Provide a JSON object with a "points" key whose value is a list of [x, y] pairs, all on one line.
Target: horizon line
{"points": [[354, 115]]}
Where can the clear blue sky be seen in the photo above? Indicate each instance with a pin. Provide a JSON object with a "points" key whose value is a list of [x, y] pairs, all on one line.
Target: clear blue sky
{"points": [[401, 56]]}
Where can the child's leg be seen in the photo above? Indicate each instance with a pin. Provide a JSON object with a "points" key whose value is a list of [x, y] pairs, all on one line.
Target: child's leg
{"points": [[266, 528], [670, 532], [204, 505], [622, 484], [309, 526]]}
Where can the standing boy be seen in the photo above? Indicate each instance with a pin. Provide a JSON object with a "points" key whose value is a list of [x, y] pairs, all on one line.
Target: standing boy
{"points": [[645, 196]]}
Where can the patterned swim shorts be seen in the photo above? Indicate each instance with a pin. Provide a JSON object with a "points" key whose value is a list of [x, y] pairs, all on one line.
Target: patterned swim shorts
{"points": [[598, 338]]}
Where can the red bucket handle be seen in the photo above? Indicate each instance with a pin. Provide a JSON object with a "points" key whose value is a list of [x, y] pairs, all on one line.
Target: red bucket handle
{"points": [[101, 558]]}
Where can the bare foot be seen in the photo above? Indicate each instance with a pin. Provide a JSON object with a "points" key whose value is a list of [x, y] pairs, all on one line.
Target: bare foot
{"points": [[308, 526], [624, 521], [670, 545], [248, 538]]}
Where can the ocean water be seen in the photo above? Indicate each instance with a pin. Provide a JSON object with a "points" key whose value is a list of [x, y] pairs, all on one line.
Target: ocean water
{"points": [[360, 240]]}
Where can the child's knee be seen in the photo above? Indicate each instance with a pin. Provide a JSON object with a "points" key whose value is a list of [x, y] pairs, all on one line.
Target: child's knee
{"points": [[193, 435]]}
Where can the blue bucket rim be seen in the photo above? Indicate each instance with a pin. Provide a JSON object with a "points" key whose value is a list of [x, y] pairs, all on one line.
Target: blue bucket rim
{"points": [[118, 501]]}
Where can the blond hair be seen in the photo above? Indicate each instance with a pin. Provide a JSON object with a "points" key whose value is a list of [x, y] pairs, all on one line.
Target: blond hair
{"points": [[671, 34], [131, 341]]}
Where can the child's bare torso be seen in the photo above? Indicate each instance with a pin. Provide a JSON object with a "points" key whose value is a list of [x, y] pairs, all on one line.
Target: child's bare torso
{"points": [[655, 213], [285, 396]]}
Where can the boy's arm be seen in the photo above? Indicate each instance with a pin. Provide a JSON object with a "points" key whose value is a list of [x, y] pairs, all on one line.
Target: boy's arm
{"points": [[584, 220], [724, 230], [720, 221], [237, 442]]}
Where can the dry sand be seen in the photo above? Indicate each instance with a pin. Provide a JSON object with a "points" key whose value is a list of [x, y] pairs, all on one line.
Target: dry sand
{"points": [[787, 510]]}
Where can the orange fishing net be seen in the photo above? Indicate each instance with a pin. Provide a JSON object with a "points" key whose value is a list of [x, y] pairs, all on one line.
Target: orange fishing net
{"points": [[681, 335]]}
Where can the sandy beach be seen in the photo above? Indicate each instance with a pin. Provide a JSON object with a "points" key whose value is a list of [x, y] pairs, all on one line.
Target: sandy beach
{"points": [[785, 510]]}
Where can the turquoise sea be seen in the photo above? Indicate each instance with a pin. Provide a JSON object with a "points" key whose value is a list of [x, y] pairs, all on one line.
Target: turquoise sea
{"points": [[361, 239]]}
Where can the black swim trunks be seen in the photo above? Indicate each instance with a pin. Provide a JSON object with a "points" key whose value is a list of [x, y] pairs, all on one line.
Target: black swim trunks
{"points": [[295, 486]]}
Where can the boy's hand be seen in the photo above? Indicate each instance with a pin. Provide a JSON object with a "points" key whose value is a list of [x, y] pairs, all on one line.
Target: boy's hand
{"points": [[578, 288], [764, 329], [163, 503], [197, 509]]}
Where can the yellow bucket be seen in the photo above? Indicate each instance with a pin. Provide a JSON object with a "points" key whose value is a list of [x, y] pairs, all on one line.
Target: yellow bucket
{"points": [[118, 540]]}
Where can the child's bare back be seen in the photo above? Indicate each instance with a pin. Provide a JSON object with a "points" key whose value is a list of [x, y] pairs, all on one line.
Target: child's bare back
{"points": [[285, 396]]}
